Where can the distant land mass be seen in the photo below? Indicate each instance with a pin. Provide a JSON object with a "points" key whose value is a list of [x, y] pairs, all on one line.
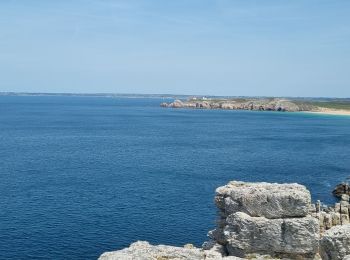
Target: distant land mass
{"points": [[336, 106], [323, 105]]}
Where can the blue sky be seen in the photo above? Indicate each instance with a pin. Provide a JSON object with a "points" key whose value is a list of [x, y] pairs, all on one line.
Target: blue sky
{"points": [[223, 47]]}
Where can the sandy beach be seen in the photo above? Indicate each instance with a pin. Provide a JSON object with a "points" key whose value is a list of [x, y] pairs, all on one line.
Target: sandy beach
{"points": [[331, 112]]}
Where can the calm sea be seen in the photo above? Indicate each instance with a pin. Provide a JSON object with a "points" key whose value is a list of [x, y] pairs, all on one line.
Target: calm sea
{"points": [[84, 175]]}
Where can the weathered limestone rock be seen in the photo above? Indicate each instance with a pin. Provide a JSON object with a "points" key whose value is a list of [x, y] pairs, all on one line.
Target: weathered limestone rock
{"points": [[340, 189], [215, 247], [345, 197], [278, 237], [344, 219], [332, 216], [337, 207], [267, 219], [218, 235], [276, 104], [264, 199], [335, 218], [144, 251], [318, 206], [335, 243]]}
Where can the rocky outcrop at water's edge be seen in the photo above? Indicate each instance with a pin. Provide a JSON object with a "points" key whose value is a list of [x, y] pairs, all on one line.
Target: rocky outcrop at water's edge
{"points": [[271, 104], [261, 221]]}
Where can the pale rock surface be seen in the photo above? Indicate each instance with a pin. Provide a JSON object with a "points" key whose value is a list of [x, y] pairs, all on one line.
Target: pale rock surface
{"points": [[144, 251], [335, 243], [289, 236], [177, 104], [214, 247], [285, 105], [266, 219], [276, 104], [268, 200]]}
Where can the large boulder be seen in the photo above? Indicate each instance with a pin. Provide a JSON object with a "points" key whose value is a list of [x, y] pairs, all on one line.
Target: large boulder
{"points": [[335, 243], [291, 237], [144, 251], [341, 189], [268, 200]]}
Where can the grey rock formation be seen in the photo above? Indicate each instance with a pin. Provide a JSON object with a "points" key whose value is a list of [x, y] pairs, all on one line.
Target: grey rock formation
{"points": [[340, 189], [332, 216], [144, 251], [215, 247], [267, 219], [335, 243], [282, 237], [275, 104], [264, 199]]}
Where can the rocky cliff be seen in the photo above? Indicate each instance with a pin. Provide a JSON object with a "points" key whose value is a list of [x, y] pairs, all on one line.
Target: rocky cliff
{"points": [[264, 218], [273, 104], [258, 221], [329, 216]]}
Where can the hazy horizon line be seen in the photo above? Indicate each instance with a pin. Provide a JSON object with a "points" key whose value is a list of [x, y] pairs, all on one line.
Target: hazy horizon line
{"points": [[2, 93]]}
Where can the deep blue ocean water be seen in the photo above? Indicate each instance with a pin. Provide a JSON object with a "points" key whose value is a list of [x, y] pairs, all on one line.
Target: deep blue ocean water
{"points": [[84, 175]]}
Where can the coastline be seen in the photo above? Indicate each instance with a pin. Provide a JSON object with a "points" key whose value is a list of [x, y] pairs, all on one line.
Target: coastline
{"points": [[332, 112], [273, 104]]}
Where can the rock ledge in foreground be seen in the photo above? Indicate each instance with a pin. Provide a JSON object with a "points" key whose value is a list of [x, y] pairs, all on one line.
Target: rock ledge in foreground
{"points": [[261, 199], [144, 251]]}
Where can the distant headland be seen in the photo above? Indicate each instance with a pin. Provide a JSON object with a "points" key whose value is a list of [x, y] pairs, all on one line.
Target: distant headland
{"points": [[331, 106], [317, 105]]}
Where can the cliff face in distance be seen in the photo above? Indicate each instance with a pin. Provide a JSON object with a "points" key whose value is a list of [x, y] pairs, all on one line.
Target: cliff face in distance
{"points": [[261, 104], [258, 221]]}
